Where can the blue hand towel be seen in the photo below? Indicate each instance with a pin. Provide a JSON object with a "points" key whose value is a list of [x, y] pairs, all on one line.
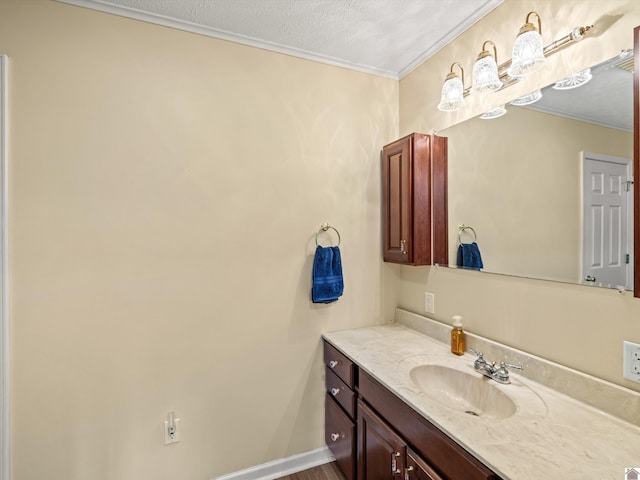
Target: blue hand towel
{"points": [[469, 256], [328, 283]]}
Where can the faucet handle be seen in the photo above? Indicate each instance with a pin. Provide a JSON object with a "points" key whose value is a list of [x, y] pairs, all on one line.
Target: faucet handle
{"points": [[480, 361], [510, 365], [501, 375]]}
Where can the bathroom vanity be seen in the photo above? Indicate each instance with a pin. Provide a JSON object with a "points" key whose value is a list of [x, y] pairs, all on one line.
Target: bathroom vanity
{"points": [[396, 408], [419, 452]]}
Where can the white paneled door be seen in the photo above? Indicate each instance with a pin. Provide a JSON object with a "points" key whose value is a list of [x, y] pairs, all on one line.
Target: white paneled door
{"points": [[607, 221]]}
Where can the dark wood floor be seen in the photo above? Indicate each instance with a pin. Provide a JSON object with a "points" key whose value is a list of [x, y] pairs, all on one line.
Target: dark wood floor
{"points": [[328, 471]]}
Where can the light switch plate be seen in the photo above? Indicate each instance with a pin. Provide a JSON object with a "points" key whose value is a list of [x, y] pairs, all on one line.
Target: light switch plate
{"points": [[631, 361]]}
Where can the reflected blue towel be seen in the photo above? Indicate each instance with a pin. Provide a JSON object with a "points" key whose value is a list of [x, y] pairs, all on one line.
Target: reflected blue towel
{"points": [[328, 283], [469, 256]]}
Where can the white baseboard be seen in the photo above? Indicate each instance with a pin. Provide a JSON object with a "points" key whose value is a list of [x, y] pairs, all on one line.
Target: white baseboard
{"points": [[283, 466]]}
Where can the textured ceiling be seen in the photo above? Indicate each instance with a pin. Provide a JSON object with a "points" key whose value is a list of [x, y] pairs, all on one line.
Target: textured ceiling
{"points": [[606, 100], [384, 37]]}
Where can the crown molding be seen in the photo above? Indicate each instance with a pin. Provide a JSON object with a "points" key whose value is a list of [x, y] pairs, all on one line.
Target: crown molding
{"points": [[191, 27], [157, 19]]}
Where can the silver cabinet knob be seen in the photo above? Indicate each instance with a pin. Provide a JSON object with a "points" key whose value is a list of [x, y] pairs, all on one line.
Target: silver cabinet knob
{"points": [[335, 391], [407, 473], [335, 437], [333, 363]]}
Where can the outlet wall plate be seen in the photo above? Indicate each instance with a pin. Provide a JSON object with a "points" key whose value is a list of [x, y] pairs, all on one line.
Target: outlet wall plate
{"points": [[429, 302], [168, 440], [631, 361]]}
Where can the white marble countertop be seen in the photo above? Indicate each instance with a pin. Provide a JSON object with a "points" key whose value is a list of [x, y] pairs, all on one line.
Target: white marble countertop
{"points": [[551, 435]]}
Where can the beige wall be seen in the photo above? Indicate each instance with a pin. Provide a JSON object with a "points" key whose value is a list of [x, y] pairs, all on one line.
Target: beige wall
{"points": [[517, 181], [578, 326], [165, 192]]}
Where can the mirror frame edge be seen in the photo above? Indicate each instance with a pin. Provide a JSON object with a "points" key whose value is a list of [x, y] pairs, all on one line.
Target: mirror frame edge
{"points": [[636, 161]]}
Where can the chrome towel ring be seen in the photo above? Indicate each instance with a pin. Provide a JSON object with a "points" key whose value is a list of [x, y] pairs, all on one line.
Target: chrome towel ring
{"points": [[323, 228], [462, 228]]}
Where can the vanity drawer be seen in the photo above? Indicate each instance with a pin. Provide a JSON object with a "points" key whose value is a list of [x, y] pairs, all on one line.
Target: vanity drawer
{"points": [[341, 392], [340, 437], [339, 364]]}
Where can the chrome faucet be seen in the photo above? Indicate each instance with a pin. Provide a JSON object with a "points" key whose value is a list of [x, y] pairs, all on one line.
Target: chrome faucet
{"points": [[500, 374]]}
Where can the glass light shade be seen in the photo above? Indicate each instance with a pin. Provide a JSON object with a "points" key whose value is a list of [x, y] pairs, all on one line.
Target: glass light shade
{"points": [[494, 113], [574, 81], [452, 94], [485, 75], [528, 54], [528, 99]]}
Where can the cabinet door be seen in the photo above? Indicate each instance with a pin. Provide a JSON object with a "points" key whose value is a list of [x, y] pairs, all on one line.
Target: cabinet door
{"points": [[397, 201], [417, 468], [407, 200], [340, 437], [381, 452]]}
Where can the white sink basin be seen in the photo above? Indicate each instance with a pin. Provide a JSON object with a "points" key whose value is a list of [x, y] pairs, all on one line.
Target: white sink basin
{"points": [[466, 392]]}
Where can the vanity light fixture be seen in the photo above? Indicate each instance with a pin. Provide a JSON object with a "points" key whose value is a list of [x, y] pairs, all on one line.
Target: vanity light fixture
{"points": [[527, 99], [485, 71], [494, 113], [528, 50], [574, 81], [452, 91], [528, 56]]}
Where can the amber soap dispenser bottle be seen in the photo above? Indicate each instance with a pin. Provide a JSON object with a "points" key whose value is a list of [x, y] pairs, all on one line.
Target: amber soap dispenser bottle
{"points": [[458, 344]]}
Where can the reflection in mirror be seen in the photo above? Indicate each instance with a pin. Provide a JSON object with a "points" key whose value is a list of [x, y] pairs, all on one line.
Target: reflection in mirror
{"points": [[544, 186]]}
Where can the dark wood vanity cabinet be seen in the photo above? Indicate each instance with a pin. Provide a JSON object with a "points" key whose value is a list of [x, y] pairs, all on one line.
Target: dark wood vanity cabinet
{"points": [[414, 200], [383, 438]]}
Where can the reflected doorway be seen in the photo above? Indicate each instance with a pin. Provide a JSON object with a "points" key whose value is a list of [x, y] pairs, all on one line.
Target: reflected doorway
{"points": [[607, 239]]}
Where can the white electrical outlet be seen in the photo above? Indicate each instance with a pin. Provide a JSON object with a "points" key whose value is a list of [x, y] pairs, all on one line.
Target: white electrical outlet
{"points": [[171, 429], [631, 361], [429, 302]]}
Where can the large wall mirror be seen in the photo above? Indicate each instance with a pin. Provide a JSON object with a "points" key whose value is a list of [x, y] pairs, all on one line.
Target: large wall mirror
{"points": [[546, 188]]}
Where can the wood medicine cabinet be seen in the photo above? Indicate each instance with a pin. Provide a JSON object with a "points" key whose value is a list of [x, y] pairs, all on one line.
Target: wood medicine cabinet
{"points": [[414, 200]]}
